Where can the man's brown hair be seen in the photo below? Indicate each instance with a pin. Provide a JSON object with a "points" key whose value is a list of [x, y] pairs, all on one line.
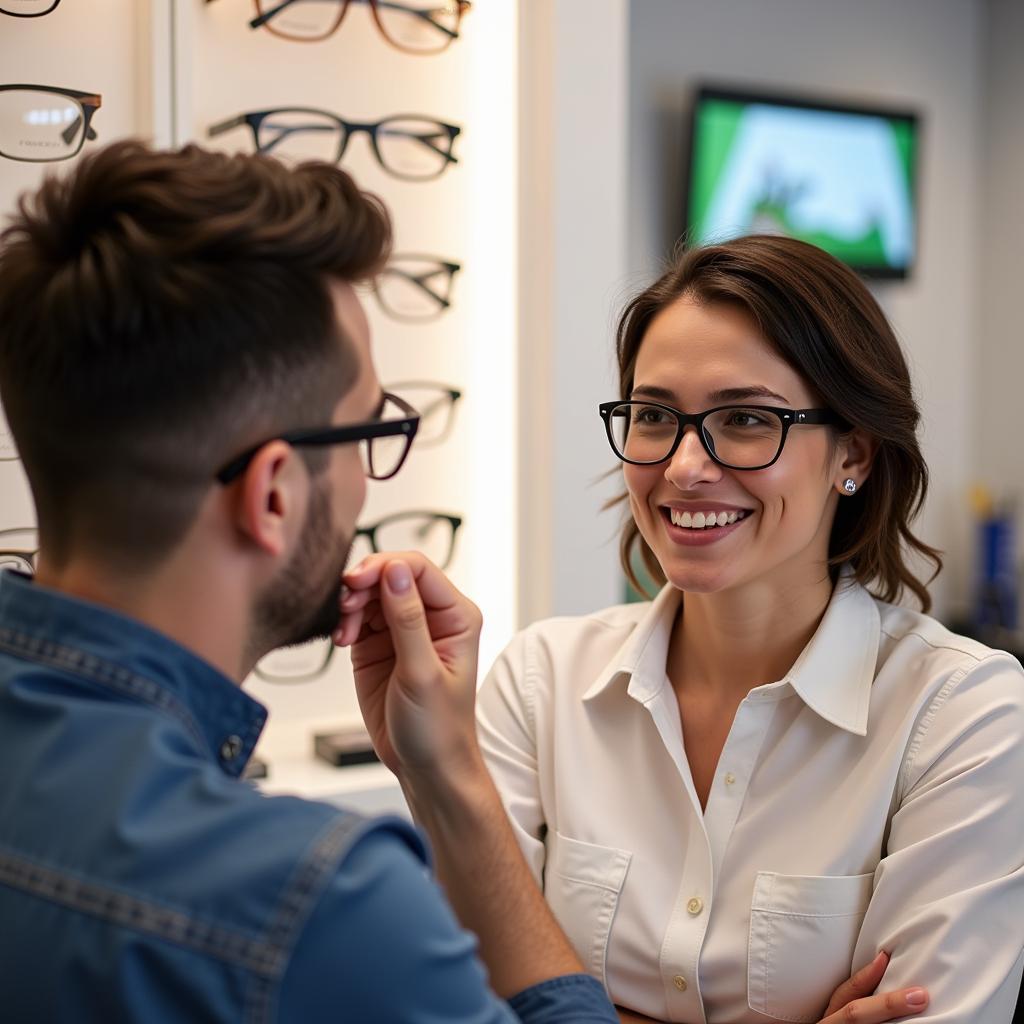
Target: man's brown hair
{"points": [[159, 313]]}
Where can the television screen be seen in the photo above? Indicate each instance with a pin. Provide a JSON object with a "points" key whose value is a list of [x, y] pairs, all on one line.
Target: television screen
{"points": [[842, 178]]}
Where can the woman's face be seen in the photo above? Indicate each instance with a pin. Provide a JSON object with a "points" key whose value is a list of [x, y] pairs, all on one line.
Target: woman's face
{"points": [[694, 357]]}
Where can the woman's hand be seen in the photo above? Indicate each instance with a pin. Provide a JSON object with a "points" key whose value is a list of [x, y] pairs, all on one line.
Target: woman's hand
{"points": [[853, 1002]]}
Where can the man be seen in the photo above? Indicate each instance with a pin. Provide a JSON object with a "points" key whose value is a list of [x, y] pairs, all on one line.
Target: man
{"points": [[186, 371]]}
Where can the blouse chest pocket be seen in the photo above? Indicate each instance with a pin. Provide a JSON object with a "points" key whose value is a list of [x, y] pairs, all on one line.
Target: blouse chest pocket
{"points": [[803, 930], [582, 882]]}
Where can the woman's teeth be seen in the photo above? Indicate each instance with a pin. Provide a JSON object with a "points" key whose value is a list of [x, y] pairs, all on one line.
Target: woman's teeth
{"points": [[702, 520]]}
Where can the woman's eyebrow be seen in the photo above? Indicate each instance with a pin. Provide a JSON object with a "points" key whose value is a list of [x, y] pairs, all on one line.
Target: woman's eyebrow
{"points": [[715, 397], [650, 391], [741, 394]]}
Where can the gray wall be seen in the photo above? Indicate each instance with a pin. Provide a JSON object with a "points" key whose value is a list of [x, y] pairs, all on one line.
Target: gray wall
{"points": [[927, 55], [1000, 348]]}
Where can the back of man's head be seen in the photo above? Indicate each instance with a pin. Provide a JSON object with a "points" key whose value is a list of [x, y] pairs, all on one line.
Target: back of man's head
{"points": [[159, 312]]}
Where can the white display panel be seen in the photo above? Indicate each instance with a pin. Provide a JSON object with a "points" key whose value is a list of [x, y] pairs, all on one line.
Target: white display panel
{"points": [[169, 69], [110, 47]]}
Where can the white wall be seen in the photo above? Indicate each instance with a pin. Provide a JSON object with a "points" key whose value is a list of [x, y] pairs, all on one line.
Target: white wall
{"points": [[925, 55], [572, 267], [1000, 343]]}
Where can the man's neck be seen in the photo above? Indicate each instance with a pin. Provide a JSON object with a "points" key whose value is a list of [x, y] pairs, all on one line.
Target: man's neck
{"points": [[193, 607]]}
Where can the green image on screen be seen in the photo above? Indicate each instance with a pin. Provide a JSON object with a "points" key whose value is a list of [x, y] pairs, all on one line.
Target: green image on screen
{"points": [[841, 180]]}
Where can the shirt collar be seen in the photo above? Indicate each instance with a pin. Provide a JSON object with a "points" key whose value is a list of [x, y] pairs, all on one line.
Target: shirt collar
{"points": [[836, 670], [643, 656], [833, 674], [113, 651]]}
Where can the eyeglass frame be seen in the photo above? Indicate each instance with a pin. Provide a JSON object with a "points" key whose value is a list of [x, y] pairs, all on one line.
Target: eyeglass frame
{"points": [[40, 14], [303, 677], [446, 395], [788, 417], [255, 118], [348, 433], [444, 303], [89, 102], [26, 555], [263, 19], [370, 532]]}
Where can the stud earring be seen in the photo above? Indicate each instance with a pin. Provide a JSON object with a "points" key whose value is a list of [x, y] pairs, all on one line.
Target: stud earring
{"points": [[849, 485]]}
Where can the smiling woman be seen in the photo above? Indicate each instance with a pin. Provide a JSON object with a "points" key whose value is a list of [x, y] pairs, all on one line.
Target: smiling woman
{"points": [[770, 773]]}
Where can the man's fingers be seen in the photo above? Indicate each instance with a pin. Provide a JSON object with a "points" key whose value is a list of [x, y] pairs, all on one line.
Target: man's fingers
{"points": [[436, 590], [416, 659], [863, 983]]}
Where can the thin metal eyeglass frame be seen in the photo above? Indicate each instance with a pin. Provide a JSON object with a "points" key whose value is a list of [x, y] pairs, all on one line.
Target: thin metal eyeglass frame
{"points": [[788, 417], [255, 118], [263, 19], [89, 102], [347, 434]]}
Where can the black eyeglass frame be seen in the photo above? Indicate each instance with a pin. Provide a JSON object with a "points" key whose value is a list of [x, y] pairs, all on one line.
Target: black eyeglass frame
{"points": [[370, 532], [89, 102], [39, 14], [255, 118], [788, 417], [347, 434], [25, 555], [445, 395], [437, 266]]}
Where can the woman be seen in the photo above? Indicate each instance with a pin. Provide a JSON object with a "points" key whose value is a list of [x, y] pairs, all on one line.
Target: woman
{"points": [[770, 773]]}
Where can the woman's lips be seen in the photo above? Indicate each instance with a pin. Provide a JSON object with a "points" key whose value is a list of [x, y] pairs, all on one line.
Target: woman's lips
{"points": [[699, 533]]}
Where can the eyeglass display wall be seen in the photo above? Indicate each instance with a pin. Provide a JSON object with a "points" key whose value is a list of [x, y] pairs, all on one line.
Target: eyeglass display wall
{"points": [[73, 76], [424, 119]]}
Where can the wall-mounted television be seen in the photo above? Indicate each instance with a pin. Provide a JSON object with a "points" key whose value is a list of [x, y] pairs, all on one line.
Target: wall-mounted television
{"points": [[841, 177]]}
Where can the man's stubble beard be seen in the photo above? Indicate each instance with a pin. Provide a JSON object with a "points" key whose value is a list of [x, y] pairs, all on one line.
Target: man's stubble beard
{"points": [[302, 603]]}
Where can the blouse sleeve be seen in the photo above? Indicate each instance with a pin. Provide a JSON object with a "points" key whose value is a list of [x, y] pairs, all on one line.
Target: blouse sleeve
{"points": [[507, 731], [948, 900]]}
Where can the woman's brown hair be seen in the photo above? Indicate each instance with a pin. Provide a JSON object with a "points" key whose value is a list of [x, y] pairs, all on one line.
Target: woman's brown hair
{"points": [[821, 319]]}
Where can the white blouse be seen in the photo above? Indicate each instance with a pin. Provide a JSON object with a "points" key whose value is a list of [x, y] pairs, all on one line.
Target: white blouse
{"points": [[871, 799]]}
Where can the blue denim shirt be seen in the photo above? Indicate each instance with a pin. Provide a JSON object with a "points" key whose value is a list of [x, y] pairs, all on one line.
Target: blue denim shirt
{"points": [[142, 880]]}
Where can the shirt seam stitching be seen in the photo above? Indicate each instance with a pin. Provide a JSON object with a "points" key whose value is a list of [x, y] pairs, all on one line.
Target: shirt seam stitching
{"points": [[135, 913], [916, 741], [300, 894], [101, 672]]}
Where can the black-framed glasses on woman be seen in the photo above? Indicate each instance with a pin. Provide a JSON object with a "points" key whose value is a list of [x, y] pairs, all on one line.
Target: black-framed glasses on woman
{"points": [[432, 533], [735, 436], [415, 288], [44, 123], [413, 26], [19, 549], [412, 147], [436, 404], [28, 8], [384, 442]]}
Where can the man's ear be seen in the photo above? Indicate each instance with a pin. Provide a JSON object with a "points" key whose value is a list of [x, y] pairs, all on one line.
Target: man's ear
{"points": [[272, 496], [857, 450]]}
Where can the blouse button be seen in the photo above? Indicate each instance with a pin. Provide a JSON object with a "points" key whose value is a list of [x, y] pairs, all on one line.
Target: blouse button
{"points": [[729, 778], [680, 982], [695, 906]]}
